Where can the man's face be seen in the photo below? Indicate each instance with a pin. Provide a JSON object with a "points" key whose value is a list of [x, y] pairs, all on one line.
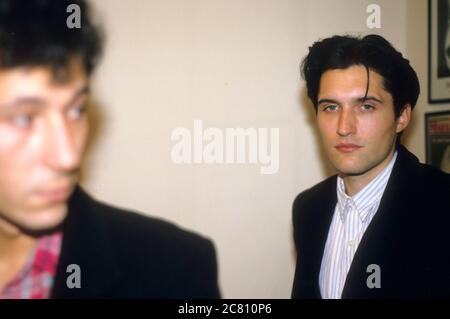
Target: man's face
{"points": [[43, 132], [358, 135]]}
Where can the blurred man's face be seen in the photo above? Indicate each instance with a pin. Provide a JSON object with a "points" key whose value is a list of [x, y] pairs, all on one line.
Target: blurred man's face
{"points": [[43, 132], [358, 135]]}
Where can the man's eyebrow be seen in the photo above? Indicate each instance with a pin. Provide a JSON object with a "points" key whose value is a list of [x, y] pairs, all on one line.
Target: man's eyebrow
{"points": [[369, 98], [327, 101], [27, 100], [359, 100], [83, 91], [38, 101]]}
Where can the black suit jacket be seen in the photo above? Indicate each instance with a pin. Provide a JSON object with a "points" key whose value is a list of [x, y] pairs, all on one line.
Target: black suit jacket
{"points": [[409, 237], [126, 255]]}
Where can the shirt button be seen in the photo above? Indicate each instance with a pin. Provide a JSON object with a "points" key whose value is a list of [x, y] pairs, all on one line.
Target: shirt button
{"points": [[350, 242]]}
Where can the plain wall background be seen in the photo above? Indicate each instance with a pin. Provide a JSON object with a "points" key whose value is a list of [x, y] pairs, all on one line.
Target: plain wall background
{"points": [[230, 64]]}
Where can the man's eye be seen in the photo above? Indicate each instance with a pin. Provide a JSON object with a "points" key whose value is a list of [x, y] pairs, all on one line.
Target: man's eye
{"points": [[77, 112], [330, 108], [22, 120], [367, 107]]}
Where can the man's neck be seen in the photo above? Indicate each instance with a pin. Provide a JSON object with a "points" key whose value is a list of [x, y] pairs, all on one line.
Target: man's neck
{"points": [[355, 183], [11, 238], [15, 247]]}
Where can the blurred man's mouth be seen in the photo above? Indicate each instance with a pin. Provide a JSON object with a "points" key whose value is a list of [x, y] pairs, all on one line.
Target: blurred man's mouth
{"points": [[54, 195]]}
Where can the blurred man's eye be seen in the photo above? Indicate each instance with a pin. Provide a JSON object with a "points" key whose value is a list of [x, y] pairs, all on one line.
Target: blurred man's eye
{"points": [[22, 120], [77, 112]]}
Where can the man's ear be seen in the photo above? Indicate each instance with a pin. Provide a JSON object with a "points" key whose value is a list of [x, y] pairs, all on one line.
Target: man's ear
{"points": [[404, 118]]}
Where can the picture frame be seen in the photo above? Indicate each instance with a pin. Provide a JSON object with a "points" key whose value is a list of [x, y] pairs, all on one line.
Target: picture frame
{"points": [[438, 51], [437, 139]]}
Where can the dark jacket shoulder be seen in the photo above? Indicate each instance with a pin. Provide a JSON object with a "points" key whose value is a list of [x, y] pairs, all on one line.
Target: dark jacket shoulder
{"points": [[123, 254], [134, 228]]}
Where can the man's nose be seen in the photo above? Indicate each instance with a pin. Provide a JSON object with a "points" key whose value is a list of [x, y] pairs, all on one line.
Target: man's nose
{"points": [[61, 151], [346, 123]]}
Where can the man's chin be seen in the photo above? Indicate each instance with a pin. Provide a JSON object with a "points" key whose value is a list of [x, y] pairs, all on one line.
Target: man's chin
{"points": [[43, 220], [351, 170]]}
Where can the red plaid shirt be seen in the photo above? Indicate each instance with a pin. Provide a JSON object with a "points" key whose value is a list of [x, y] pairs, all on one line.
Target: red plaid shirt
{"points": [[35, 280]]}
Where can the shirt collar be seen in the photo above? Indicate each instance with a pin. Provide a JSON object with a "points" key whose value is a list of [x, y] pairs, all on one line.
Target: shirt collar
{"points": [[47, 253], [366, 198], [43, 258]]}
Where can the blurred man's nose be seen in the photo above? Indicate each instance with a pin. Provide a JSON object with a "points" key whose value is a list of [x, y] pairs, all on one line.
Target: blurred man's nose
{"points": [[346, 123], [61, 151]]}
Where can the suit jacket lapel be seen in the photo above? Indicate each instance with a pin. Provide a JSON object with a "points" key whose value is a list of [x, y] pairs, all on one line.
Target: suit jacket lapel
{"points": [[86, 244], [323, 215]]}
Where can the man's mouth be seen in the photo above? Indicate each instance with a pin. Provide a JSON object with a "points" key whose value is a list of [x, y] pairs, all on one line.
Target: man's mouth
{"points": [[347, 147], [57, 194]]}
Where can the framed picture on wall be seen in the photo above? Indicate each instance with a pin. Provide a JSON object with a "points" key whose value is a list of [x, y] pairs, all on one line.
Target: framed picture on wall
{"points": [[438, 51], [437, 134]]}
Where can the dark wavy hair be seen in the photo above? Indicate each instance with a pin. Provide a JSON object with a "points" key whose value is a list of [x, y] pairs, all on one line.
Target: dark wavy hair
{"points": [[373, 52], [35, 33]]}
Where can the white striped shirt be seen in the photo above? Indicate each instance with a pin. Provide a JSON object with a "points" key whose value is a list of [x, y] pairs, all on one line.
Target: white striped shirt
{"points": [[351, 218]]}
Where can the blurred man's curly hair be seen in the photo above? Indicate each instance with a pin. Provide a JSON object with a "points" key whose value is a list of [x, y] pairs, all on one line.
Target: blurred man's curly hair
{"points": [[35, 33]]}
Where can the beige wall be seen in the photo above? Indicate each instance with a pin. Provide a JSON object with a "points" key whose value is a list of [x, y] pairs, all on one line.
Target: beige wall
{"points": [[230, 64]]}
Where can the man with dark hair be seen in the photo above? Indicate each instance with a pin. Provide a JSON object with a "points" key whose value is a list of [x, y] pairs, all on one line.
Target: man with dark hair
{"points": [[380, 227], [55, 240]]}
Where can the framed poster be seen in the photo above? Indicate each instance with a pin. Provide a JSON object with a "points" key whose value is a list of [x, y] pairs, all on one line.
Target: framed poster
{"points": [[437, 139], [438, 51]]}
